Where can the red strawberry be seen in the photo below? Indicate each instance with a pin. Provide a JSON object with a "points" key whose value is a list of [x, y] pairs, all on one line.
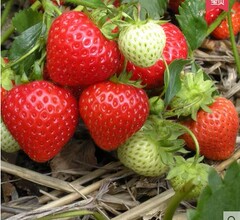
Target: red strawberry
{"points": [[211, 16], [41, 117], [216, 132], [222, 32], [3, 93], [78, 53], [117, 3], [8, 143], [175, 48], [113, 112], [174, 4]]}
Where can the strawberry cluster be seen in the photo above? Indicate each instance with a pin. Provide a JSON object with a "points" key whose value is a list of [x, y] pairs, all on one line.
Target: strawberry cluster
{"points": [[106, 71]]}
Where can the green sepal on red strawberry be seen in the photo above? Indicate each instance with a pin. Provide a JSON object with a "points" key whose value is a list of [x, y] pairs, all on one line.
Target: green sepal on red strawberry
{"points": [[216, 131], [188, 170], [78, 54], [150, 151]]}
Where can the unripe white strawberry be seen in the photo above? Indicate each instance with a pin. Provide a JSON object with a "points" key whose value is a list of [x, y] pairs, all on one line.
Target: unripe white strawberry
{"points": [[142, 43], [141, 154], [150, 150], [8, 143]]}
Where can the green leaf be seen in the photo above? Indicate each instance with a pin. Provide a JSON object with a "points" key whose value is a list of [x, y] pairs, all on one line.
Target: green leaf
{"points": [[155, 10], [172, 79], [215, 181], [192, 22], [24, 42], [219, 195], [26, 45], [87, 3], [26, 19]]}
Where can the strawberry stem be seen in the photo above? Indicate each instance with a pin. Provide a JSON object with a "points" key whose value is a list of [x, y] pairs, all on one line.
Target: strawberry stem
{"points": [[176, 199], [216, 22], [233, 42], [197, 148], [166, 76], [11, 29], [6, 11], [7, 34], [12, 63]]}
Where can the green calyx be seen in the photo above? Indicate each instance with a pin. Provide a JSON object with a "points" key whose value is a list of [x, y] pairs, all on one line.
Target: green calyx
{"points": [[156, 105], [185, 171], [196, 93], [125, 78], [106, 18], [7, 75]]}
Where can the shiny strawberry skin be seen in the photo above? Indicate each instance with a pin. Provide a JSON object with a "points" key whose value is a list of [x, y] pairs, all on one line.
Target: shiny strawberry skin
{"points": [[41, 117], [78, 53], [216, 132], [3, 93], [222, 32], [211, 16], [113, 112], [175, 48]]}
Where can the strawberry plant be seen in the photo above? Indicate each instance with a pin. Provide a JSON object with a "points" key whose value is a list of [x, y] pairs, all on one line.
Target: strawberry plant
{"points": [[126, 73]]}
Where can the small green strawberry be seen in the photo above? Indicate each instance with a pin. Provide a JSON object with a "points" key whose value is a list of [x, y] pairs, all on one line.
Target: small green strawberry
{"points": [[142, 43], [141, 154], [149, 151], [185, 171], [8, 143], [156, 105], [196, 93]]}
